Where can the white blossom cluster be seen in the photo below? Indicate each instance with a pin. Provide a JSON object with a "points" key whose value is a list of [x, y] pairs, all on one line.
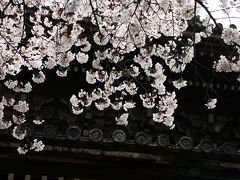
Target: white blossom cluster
{"points": [[35, 145], [18, 108], [211, 104], [231, 37], [18, 118], [166, 108], [225, 65], [125, 50], [180, 83]]}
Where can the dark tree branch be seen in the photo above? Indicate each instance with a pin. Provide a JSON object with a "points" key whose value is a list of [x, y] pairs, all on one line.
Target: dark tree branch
{"points": [[208, 12]]}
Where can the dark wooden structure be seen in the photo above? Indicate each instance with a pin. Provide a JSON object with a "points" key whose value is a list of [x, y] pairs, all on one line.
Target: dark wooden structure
{"points": [[204, 144]]}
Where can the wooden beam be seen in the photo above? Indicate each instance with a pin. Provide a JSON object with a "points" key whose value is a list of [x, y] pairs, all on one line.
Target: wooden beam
{"points": [[44, 177], [27, 177], [10, 176]]}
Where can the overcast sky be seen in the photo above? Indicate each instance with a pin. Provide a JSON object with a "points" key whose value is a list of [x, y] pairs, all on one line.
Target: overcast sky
{"points": [[221, 16]]}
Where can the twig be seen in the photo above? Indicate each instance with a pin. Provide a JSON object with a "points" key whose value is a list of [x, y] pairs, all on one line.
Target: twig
{"points": [[208, 12]]}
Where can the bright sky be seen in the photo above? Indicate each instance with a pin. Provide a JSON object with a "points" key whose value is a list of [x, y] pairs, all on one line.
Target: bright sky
{"points": [[221, 16]]}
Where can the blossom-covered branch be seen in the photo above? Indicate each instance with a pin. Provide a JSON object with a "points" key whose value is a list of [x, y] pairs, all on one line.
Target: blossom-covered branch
{"points": [[128, 49]]}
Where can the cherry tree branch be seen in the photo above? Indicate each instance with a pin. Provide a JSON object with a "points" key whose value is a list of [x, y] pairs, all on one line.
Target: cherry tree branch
{"points": [[208, 12]]}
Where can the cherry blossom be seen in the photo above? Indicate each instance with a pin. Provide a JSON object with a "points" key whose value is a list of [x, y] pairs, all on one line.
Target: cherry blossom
{"points": [[122, 119], [180, 83], [125, 51], [211, 103], [37, 145]]}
